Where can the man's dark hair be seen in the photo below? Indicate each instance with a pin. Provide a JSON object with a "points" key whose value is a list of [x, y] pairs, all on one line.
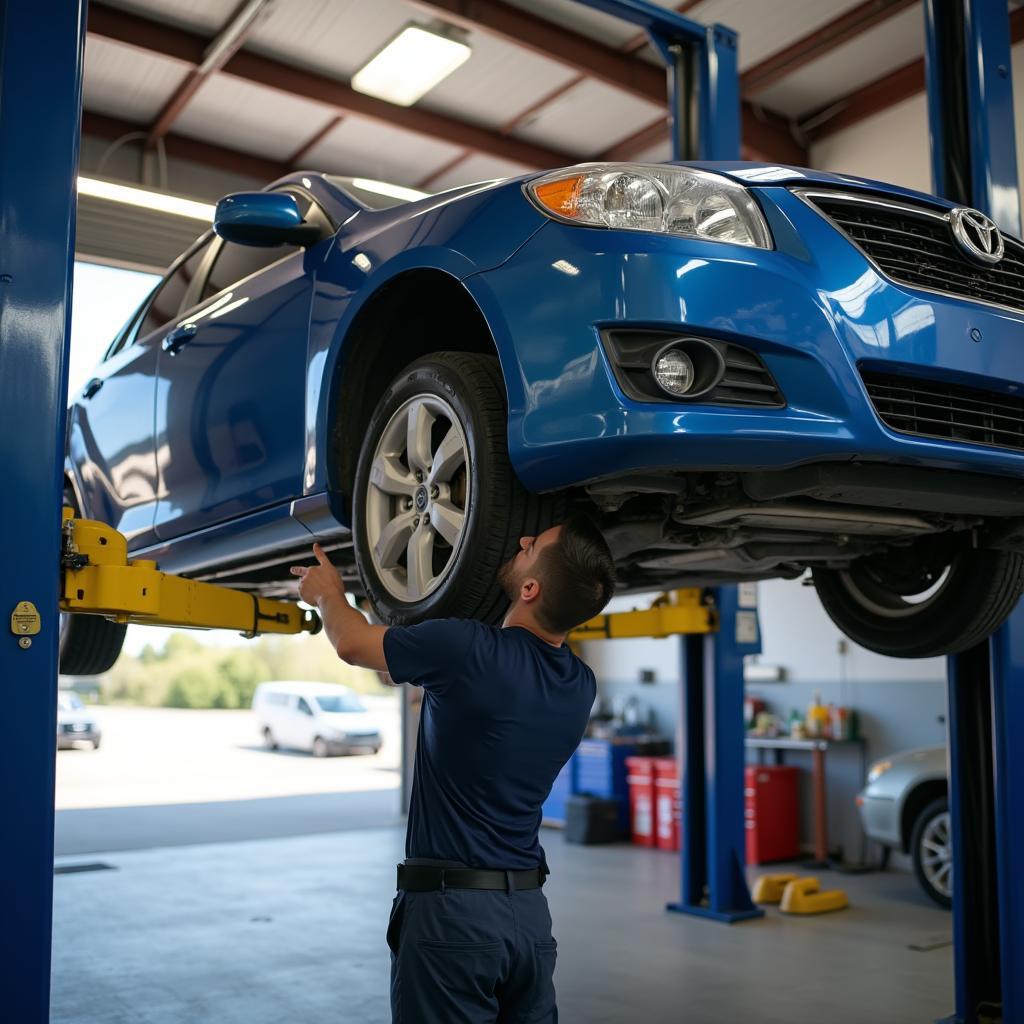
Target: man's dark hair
{"points": [[577, 575]]}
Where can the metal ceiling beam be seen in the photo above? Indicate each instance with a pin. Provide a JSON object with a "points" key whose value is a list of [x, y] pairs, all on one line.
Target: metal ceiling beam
{"points": [[180, 44], [303, 151], [880, 94], [207, 153], [217, 54], [819, 43], [765, 133]]}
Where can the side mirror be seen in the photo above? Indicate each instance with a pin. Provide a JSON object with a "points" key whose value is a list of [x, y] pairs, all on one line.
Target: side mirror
{"points": [[262, 218]]}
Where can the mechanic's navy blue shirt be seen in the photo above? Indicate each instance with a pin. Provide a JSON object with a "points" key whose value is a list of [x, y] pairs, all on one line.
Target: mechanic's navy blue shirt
{"points": [[502, 713]]}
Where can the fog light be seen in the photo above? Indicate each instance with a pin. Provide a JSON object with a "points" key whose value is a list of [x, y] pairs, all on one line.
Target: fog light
{"points": [[673, 370]]}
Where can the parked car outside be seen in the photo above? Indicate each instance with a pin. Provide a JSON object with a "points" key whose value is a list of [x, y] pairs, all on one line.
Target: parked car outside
{"points": [[323, 718], [75, 722], [905, 807], [741, 370]]}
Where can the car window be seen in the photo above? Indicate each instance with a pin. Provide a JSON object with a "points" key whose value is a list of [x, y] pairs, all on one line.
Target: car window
{"points": [[167, 302], [235, 262], [341, 702], [304, 707]]}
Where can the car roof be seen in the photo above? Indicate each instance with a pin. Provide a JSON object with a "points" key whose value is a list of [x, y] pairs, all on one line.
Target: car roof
{"points": [[303, 687]]}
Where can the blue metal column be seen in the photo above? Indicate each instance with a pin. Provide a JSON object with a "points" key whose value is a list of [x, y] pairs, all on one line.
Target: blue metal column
{"points": [[974, 163], [41, 45], [1008, 774], [703, 74], [970, 107], [713, 882]]}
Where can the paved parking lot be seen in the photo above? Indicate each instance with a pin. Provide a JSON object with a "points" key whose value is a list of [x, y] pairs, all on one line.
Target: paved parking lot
{"points": [[168, 777]]}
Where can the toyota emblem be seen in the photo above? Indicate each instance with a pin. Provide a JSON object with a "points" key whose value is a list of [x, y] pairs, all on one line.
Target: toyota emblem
{"points": [[977, 235]]}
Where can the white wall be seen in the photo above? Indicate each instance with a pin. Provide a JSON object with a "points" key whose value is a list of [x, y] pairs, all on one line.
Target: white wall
{"points": [[894, 144]]}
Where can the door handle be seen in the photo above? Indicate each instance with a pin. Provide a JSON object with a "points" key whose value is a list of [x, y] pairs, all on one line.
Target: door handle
{"points": [[92, 387], [179, 338]]}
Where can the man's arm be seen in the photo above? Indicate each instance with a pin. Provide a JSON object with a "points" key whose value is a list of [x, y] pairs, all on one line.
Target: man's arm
{"points": [[355, 640]]}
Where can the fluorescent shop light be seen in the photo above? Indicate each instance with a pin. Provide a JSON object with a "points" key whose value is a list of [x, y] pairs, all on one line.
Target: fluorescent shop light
{"points": [[384, 188], [411, 65], [161, 201]]}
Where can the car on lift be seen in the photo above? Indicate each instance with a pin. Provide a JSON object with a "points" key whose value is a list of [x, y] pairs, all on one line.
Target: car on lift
{"points": [[743, 371], [905, 807]]}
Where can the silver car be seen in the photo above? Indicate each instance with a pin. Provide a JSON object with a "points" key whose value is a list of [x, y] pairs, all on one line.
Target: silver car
{"points": [[905, 807], [75, 723]]}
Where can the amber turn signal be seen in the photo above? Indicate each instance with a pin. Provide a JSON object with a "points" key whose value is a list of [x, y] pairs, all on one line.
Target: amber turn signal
{"points": [[562, 196]]}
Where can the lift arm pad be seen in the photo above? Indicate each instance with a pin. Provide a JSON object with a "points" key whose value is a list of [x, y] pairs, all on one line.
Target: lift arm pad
{"points": [[100, 579]]}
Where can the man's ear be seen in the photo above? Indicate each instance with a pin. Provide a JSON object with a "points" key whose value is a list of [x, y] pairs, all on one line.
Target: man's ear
{"points": [[529, 591]]}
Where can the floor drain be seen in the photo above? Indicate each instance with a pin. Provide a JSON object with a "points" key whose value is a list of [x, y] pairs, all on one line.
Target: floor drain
{"points": [[76, 869]]}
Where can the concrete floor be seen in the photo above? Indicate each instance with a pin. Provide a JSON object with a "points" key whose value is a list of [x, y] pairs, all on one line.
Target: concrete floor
{"points": [[284, 930]]}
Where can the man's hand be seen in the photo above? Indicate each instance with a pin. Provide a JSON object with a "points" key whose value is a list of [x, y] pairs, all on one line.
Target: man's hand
{"points": [[321, 582], [355, 640]]}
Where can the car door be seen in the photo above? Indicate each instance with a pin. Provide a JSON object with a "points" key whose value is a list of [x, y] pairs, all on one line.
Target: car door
{"points": [[305, 725], [230, 401], [110, 431]]}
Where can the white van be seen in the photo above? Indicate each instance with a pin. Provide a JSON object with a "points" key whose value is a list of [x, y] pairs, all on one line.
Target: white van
{"points": [[320, 717]]}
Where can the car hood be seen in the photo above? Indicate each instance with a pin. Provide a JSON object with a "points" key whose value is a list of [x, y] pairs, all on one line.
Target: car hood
{"points": [[70, 717], [924, 759]]}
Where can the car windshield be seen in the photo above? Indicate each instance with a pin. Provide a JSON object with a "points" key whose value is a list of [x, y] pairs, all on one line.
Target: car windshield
{"points": [[376, 195], [69, 702], [342, 702]]}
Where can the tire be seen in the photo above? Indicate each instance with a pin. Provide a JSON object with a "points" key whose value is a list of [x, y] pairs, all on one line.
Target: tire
{"points": [[974, 593], [320, 747], [268, 739], [931, 852], [95, 744], [473, 511], [88, 644]]}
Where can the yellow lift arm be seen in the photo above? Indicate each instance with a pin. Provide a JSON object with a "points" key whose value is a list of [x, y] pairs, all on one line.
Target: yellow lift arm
{"points": [[670, 614], [100, 579]]}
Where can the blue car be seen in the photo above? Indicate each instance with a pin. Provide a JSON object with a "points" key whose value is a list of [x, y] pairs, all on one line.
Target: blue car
{"points": [[742, 371]]}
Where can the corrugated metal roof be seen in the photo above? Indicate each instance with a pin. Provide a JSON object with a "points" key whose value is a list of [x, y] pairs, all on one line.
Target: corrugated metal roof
{"points": [[208, 15], [897, 41], [373, 150], [254, 119], [589, 118], [120, 81]]}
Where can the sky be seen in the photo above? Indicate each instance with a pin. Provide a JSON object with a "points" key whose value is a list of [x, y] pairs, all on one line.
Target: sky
{"points": [[102, 301]]}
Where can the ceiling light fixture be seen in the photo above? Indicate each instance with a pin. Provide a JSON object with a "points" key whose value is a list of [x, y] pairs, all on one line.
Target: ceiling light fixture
{"points": [[411, 64], [160, 201]]}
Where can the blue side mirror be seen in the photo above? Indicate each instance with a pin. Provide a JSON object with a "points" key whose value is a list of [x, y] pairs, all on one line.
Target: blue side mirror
{"points": [[262, 218]]}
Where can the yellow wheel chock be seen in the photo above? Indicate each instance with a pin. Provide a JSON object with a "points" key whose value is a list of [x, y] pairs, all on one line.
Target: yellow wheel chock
{"points": [[805, 896], [769, 888]]}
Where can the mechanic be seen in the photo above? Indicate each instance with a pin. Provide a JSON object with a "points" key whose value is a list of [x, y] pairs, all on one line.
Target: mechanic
{"points": [[503, 710]]}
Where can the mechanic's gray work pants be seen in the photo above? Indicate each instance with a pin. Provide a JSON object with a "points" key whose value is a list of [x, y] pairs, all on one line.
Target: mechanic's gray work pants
{"points": [[472, 956]]}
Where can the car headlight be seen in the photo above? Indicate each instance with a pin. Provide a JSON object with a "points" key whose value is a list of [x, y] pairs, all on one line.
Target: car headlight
{"points": [[661, 198], [877, 770]]}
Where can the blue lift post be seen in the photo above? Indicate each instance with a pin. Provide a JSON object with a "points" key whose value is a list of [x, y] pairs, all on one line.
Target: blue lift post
{"points": [[711, 734], [41, 46], [704, 108], [970, 108], [703, 77]]}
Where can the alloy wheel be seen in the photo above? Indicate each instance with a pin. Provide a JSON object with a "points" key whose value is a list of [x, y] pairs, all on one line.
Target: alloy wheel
{"points": [[937, 854], [417, 497]]}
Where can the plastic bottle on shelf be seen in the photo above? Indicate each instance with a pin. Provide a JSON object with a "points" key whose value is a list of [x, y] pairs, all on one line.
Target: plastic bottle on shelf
{"points": [[817, 717]]}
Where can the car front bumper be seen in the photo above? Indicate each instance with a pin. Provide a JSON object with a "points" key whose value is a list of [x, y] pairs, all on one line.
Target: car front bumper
{"points": [[879, 817], [814, 309], [66, 739], [350, 745]]}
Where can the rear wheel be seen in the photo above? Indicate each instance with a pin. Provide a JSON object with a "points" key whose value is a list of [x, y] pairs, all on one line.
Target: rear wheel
{"points": [[268, 738], [438, 509], [932, 852], [922, 601]]}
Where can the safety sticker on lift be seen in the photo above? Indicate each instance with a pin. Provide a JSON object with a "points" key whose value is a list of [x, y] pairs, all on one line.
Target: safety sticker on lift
{"points": [[25, 619]]}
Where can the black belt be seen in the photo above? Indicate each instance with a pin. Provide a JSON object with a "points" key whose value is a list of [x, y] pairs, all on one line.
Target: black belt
{"points": [[429, 878]]}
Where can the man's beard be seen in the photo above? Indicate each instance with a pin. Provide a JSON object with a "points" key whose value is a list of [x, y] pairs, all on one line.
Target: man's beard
{"points": [[509, 579]]}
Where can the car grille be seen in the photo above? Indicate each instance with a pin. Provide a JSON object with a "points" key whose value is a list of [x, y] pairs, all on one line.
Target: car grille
{"points": [[917, 248], [930, 408]]}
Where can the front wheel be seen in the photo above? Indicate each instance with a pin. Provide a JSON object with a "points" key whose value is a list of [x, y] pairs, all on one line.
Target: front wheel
{"points": [[320, 747], [923, 601], [437, 507], [932, 853]]}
